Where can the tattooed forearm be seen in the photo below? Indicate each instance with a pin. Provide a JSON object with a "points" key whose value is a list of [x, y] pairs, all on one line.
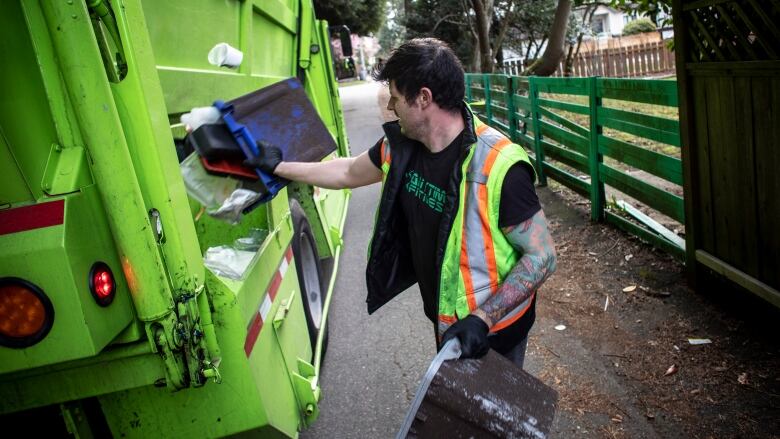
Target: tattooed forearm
{"points": [[538, 262]]}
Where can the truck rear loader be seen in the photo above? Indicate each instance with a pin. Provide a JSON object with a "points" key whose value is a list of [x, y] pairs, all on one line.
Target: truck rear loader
{"points": [[110, 324]]}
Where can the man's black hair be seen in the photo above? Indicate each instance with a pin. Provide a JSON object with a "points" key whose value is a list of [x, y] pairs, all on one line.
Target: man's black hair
{"points": [[426, 62]]}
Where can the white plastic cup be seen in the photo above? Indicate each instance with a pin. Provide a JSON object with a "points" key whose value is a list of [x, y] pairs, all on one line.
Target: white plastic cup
{"points": [[225, 55], [199, 116]]}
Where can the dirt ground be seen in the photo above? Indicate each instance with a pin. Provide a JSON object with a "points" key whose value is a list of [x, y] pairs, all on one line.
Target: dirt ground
{"points": [[623, 366]]}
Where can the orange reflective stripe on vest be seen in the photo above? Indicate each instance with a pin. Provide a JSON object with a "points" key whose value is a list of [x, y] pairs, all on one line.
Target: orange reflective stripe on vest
{"points": [[481, 273]]}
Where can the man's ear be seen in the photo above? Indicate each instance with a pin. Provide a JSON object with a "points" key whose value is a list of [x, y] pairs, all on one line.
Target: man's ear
{"points": [[425, 97]]}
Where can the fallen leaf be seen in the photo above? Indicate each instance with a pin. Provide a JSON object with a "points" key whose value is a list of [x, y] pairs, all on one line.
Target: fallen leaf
{"points": [[697, 341], [629, 289], [628, 257], [560, 327], [742, 378], [650, 415], [617, 419], [671, 371], [593, 253]]}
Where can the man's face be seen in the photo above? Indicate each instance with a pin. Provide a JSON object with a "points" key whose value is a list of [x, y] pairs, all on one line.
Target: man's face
{"points": [[409, 113]]}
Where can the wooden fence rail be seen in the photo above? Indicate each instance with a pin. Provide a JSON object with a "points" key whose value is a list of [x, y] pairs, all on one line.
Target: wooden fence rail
{"points": [[563, 121], [635, 61]]}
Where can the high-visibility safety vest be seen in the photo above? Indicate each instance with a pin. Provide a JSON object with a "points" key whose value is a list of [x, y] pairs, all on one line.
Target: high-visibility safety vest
{"points": [[477, 256]]}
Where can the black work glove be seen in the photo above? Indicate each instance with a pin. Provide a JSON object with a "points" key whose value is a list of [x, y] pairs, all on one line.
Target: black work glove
{"points": [[473, 335], [269, 158]]}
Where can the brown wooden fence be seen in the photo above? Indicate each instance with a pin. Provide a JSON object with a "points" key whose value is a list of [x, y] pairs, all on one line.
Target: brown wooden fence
{"points": [[640, 60], [635, 61]]}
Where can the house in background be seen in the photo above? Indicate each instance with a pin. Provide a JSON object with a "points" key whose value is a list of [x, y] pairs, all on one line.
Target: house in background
{"points": [[606, 30], [646, 52], [606, 21]]}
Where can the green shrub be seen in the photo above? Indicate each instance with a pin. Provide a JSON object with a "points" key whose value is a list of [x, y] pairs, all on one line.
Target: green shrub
{"points": [[639, 26]]}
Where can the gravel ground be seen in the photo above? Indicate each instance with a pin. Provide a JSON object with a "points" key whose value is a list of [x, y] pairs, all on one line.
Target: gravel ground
{"points": [[624, 366]]}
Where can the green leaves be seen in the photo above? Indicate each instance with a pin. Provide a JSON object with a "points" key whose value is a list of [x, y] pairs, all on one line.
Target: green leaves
{"points": [[639, 26], [650, 8], [361, 16]]}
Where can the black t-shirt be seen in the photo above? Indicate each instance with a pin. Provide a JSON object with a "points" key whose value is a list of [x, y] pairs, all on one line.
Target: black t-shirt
{"points": [[422, 201]]}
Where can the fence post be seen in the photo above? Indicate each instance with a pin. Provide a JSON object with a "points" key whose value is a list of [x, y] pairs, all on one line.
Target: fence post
{"points": [[533, 94], [511, 117], [594, 158], [488, 100], [468, 87]]}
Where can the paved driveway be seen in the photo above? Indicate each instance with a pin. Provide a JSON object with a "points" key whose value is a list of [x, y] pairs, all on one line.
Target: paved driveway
{"points": [[374, 363]]}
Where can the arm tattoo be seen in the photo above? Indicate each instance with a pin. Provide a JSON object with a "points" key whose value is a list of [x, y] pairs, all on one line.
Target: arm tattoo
{"points": [[538, 262]]}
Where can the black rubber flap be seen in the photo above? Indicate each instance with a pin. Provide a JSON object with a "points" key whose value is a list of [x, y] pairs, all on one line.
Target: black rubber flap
{"points": [[281, 114], [485, 398]]}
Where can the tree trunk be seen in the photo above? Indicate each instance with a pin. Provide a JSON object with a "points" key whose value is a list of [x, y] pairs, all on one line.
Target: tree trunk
{"points": [[568, 66], [587, 18], [528, 52], [539, 49], [473, 65], [483, 13], [503, 27], [548, 63]]}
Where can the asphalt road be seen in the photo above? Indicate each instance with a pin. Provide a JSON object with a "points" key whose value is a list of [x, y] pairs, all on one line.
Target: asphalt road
{"points": [[374, 362]]}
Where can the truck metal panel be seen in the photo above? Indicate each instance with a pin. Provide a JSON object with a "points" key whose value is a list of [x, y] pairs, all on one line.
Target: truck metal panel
{"points": [[88, 119]]}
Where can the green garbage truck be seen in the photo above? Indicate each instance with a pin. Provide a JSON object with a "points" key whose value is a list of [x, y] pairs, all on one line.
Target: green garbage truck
{"points": [[111, 324]]}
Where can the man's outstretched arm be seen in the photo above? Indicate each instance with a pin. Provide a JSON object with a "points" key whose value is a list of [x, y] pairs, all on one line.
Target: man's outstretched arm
{"points": [[340, 173], [538, 262]]}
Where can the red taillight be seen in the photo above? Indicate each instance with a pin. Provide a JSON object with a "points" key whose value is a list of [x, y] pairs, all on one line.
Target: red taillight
{"points": [[26, 313], [102, 284]]}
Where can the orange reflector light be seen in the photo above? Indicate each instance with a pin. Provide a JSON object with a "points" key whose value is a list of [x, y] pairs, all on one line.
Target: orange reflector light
{"points": [[26, 314], [102, 284]]}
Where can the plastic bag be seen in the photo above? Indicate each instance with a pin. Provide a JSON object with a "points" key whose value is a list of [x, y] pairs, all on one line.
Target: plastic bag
{"points": [[228, 262], [224, 197], [210, 190], [199, 116], [253, 241], [232, 207]]}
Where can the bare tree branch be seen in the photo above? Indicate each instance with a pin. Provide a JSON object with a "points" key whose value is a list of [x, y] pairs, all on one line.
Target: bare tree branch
{"points": [[504, 27]]}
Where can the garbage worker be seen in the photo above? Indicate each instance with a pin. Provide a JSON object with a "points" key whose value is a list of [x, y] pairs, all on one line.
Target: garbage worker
{"points": [[458, 213]]}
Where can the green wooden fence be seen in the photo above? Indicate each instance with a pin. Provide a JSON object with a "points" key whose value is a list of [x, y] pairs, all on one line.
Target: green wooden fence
{"points": [[568, 129]]}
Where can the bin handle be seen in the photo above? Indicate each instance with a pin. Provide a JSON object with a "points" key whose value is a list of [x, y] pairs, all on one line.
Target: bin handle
{"points": [[450, 351]]}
